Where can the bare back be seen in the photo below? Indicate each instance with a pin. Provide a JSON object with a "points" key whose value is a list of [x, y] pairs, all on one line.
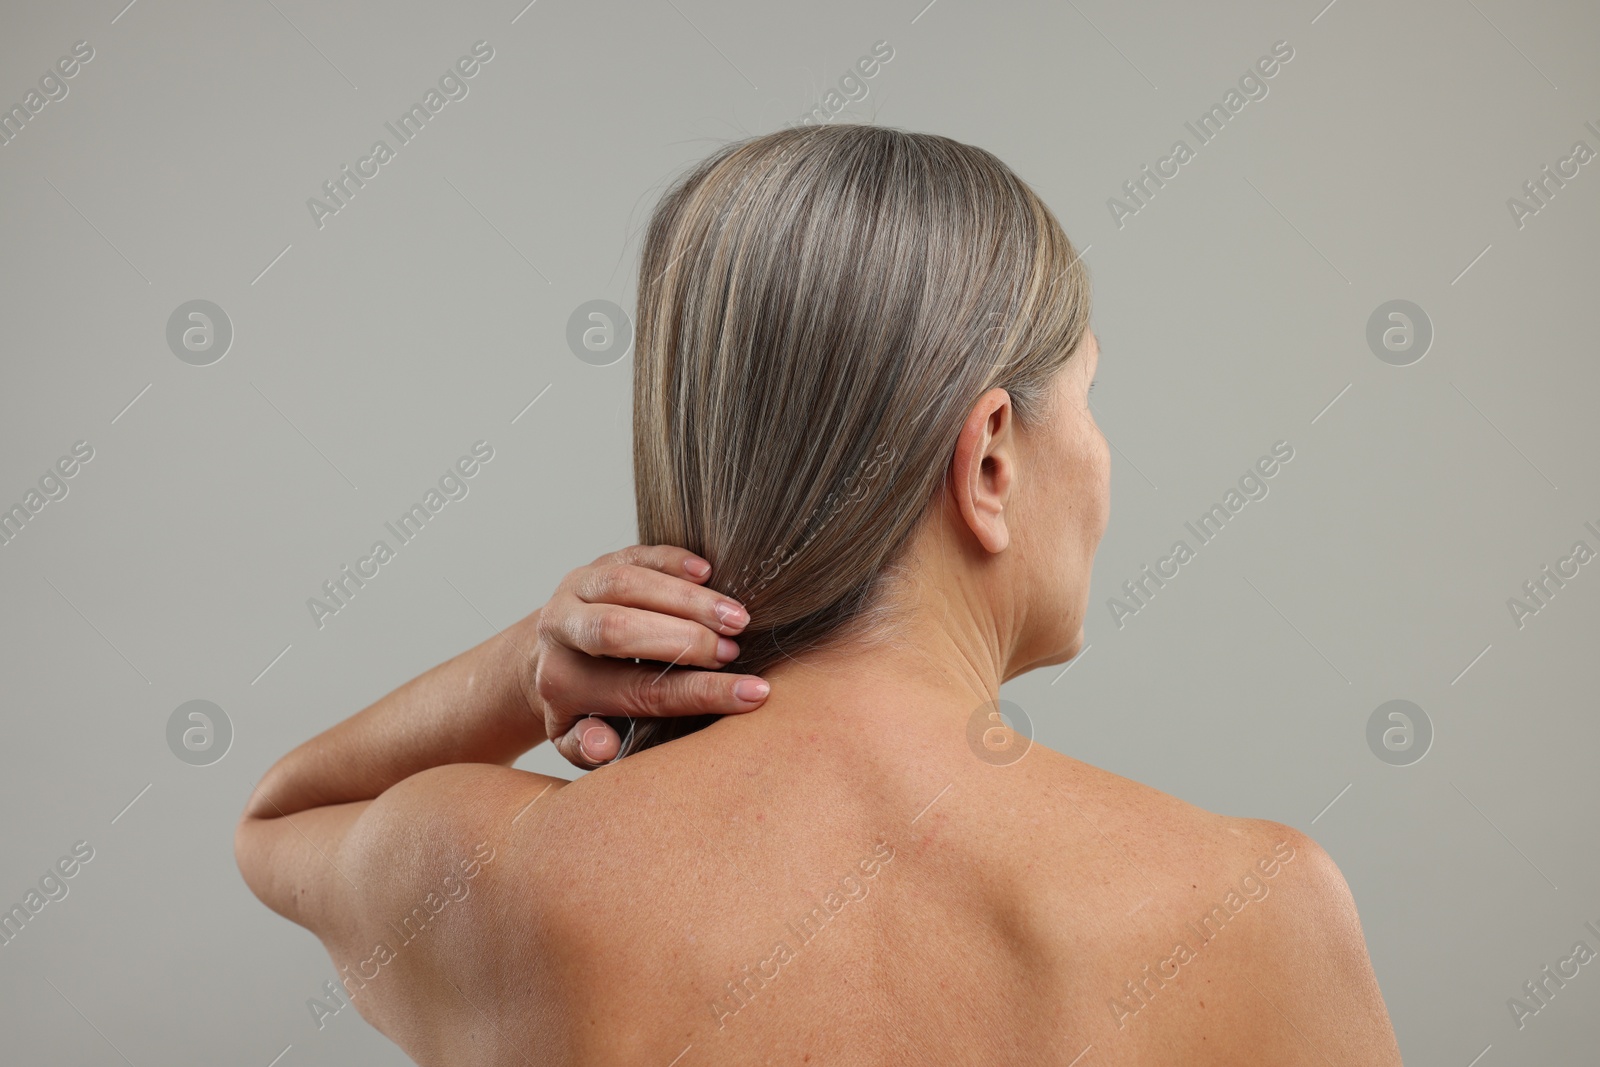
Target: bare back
{"points": [[751, 894]]}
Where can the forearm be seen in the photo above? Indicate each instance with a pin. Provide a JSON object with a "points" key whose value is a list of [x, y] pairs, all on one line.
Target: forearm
{"points": [[477, 707]]}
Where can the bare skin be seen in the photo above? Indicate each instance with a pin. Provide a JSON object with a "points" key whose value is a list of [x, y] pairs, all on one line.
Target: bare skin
{"points": [[869, 870]]}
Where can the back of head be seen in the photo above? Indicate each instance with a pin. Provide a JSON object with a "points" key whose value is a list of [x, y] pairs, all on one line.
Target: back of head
{"points": [[818, 310]]}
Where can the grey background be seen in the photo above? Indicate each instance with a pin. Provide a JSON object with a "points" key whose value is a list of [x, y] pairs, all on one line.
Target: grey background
{"points": [[429, 312]]}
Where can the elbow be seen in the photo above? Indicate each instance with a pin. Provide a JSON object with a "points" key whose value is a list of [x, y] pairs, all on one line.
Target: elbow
{"points": [[253, 841], [247, 853], [255, 845]]}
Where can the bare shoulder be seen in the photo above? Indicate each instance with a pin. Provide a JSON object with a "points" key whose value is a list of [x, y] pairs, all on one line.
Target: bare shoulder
{"points": [[421, 871], [1294, 983], [1169, 833], [1176, 837], [1316, 984], [1247, 946]]}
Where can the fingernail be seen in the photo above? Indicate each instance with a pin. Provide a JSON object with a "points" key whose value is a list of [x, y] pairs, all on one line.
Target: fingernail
{"points": [[751, 689], [697, 567], [731, 614], [727, 650], [591, 741]]}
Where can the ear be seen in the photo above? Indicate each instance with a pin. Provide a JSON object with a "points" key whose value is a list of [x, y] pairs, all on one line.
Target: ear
{"points": [[983, 468]]}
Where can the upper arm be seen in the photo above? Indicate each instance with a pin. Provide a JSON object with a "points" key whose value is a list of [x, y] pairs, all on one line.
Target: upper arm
{"points": [[295, 864], [333, 869]]}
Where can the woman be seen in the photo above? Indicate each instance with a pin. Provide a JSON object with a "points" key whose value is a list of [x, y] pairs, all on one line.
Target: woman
{"points": [[860, 400]]}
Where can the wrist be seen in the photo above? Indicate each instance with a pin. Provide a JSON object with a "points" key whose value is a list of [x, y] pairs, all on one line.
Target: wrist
{"points": [[504, 715], [523, 642]]}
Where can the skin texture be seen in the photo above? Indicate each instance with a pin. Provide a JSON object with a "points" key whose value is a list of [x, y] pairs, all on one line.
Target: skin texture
{"points": [[886, 872]]}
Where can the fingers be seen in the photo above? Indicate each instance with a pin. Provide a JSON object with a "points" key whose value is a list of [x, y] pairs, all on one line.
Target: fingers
{"points": [[641, 602], [636, 633], [667, 559], [614, 581], [690, 692], [573, 685]]}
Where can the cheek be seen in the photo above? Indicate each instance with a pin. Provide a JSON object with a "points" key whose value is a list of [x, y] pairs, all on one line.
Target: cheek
{"points": [[1090, 492], [1104, 486], [1083, 500], [1091, 452]]}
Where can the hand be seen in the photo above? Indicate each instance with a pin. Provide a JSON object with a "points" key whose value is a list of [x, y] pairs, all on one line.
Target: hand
{"points": [[643, 602]]}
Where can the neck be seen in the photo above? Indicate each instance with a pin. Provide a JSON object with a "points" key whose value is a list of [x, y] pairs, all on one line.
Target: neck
{"points": [[942, 657]]}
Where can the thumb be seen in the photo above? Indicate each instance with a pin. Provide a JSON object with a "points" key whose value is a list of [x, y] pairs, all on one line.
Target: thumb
{"points": [[588, 743]]}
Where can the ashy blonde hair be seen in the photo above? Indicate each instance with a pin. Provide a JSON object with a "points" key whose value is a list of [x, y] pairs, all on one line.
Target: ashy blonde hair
{"points": [[818, 310]]}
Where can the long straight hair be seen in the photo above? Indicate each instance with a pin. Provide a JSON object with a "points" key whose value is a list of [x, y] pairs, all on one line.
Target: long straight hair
{"points": [[818, 310]]}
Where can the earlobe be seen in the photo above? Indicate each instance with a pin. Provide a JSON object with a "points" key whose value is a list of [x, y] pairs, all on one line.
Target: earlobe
{"points": [[983, 467]]}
